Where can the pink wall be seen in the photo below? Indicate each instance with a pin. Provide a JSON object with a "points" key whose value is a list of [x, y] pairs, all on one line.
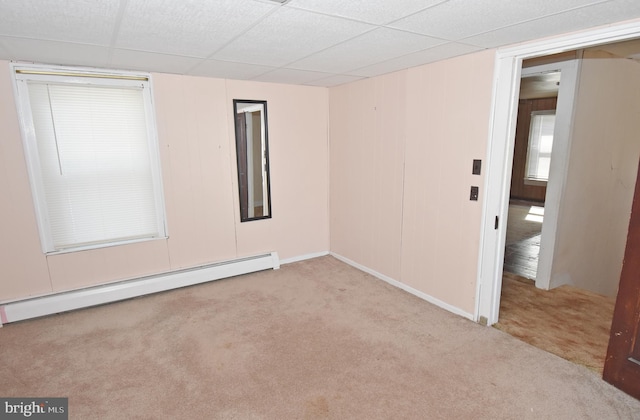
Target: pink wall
{"points": [[448, 115], [196, 136], [400, 170], [367, 158], [24, 269], [298, 157], [402, 147]]}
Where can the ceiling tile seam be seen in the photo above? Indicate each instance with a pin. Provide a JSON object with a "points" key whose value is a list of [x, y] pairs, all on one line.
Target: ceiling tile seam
{"points": [[393, 28], [54, 40], [262, 74], [3, 48], [325, 74], [351, 72], [116, 29], [534, 19], [293, 6], [444, 41], [347, 72], [327, 48], [271, 2], [189, 72], [331, 15], [246, 29], [160, 53], [415, 13], [335, 75]]}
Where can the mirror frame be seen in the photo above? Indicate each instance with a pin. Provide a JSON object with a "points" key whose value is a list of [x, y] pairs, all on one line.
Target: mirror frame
{"points": [[244, 214]]}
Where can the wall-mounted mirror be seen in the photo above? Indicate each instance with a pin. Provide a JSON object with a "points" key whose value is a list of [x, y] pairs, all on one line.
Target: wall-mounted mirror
{"points": [[252, 151]]}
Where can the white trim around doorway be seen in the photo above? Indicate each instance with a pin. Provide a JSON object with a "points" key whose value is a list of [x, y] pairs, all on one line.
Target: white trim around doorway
{"points": [[500, 151]]}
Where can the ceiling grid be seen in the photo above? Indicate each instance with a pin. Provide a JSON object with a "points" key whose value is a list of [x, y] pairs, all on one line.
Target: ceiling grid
{"points": [[311, 42]]}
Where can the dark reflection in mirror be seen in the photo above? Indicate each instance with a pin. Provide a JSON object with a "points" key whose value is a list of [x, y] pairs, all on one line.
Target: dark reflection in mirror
{"points": [[253, 159]]}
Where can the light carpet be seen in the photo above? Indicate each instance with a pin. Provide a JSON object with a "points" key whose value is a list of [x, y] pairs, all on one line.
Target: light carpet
{"points": [[316, 339]]}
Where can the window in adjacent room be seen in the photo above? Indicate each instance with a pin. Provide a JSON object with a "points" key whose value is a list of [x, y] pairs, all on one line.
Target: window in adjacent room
{"points": [[540, 145], [92, 154]]}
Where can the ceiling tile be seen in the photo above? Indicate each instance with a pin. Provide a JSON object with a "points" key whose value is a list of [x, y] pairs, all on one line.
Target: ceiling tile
{"points": [[336, 80], [229, 70], [189, 27], [4, 54], [140, 60], [375, 46], [457, 19], [440, 52], [312, 42], [54, 52], [372, 11], [288, 35], [291, 76], [69, 20], [561, 23]]}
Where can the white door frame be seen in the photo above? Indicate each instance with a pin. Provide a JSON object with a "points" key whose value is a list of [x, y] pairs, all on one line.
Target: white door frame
{"points": [[500, 152]]}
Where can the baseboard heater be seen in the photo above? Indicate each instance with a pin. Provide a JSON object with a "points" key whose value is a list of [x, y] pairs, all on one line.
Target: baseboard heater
{"points": [[126, 289]]}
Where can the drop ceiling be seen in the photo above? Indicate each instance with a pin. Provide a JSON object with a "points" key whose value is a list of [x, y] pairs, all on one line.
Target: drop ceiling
{"points": [[308, 42]]}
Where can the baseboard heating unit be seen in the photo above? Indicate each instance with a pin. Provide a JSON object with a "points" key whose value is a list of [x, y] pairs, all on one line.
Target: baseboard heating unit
{"points": [[126, 289]]}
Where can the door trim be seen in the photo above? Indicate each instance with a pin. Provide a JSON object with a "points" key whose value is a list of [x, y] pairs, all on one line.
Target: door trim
{"points": [[506, 86]]}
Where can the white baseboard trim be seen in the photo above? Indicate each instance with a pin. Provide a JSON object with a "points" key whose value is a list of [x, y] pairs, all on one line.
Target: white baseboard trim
{"points": [[304, 257], [415, 292], [112, 292]]}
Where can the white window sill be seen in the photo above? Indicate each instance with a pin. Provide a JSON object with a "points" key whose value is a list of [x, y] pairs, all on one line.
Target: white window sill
{"points": [[103, 245], [535, 182]]}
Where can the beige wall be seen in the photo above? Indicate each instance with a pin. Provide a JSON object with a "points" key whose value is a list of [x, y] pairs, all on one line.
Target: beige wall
{"points": [[402, 147], [196, 136], [596, 205], [367, 159]]}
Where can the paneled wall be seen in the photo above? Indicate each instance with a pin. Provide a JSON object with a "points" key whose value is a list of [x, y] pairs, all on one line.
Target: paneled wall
{"points": [[196, 136], [402, 147], [520, 190], [448, 114], [367, 162]]}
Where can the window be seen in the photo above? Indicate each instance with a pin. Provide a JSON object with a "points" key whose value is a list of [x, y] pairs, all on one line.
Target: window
{"points": [[92, 154], [540, 145]]}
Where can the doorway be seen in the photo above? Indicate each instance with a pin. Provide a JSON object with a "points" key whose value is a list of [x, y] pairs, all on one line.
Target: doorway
{"points": [[533, 148], [567, 321], [601, 307], [508, 69], [500, 167]]}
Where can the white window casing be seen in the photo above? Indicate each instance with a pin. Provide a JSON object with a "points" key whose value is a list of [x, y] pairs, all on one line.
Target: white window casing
{"points": [[92, 154], [540, 147]]}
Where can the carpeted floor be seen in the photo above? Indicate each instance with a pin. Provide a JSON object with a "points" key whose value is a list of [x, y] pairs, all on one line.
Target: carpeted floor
{"points": [[316, 339]]}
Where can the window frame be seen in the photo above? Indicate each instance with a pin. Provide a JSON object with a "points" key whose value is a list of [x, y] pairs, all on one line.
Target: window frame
{"points": [[528, 180], [20, 74]]}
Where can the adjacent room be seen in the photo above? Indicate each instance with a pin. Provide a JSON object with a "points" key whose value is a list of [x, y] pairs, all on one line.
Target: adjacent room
{"points": [[317, 209], [573, 320]]}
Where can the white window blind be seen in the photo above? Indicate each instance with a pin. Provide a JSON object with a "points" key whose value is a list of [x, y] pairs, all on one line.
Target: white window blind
{"points": [[540, 145], [96, 168]]}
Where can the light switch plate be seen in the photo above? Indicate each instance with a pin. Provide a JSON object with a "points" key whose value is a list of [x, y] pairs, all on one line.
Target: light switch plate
{"points": [[477, 165], [474, 194]]}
